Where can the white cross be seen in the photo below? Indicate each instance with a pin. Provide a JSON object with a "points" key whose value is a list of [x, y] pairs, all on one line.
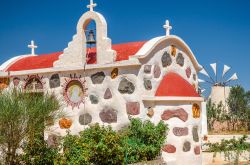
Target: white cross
{"points": [[32, 46], [167, 27], [91, 5]]}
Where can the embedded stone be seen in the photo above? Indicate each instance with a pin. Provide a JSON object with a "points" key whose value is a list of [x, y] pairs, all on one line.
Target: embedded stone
{"points": [[180, 59], [53, 141], [54, 81], [16, 81], [147, 84], [197, 150], [147, 68], [188, 72], [150, 112], [93, 99], [194, 77], [108, 94], [179, 131], [195, 134], [169, 148], [166, 59], [186, 146], [126, 86], [98, 78], [179, 113], [108, 115], [85, 119], [133, 108], [65, 123], [114, 73], [157, 71]]}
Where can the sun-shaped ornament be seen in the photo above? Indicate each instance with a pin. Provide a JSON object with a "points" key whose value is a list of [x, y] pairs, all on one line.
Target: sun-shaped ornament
{"points": [[74, 91]]}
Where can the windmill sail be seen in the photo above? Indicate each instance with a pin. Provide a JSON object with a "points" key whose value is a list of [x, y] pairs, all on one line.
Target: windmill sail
{"points": [[204, 72], [214, 67], [201, 81], [234, 77], [225, 70]]}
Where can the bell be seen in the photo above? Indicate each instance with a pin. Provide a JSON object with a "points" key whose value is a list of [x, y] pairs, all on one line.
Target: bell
{"points": [[91, 37]]}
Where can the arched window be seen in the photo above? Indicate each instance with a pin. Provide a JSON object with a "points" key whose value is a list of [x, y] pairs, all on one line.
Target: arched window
{"points": [[90, 33]]}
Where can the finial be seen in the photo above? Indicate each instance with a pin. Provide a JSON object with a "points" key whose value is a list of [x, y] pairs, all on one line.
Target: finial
{"points": [[32, 46], [91, 5], [167, 27]]}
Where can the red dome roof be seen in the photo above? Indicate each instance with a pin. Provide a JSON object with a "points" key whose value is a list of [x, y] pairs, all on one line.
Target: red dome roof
{"points": [[47, 60], [174, 85]]}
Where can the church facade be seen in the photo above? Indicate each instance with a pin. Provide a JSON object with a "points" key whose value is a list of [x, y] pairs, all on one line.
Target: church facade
{"points": [[153, 80]]}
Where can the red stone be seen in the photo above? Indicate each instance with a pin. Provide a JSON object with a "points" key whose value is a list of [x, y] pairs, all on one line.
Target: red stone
{"points": [[179, 131], [188, 72], [179, 113], [133, 108], [169, 148], [197, 150]]}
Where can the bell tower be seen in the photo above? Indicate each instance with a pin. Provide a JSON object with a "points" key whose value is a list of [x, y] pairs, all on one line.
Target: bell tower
{"points": [[76, 52]]}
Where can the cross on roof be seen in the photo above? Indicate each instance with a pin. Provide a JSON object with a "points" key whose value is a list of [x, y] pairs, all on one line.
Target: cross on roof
{"points": [[91, 5], [167, 27], [32, 46]]}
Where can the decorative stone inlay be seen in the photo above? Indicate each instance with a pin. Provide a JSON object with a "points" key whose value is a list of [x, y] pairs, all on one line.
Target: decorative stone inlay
{"points": [[179, 113], [157, 71], [133, 108], [53, 141], [147, 84], [54, 81], [197, 150], [196, 111], [98, 78], [114, 73], [169, 148], [108, 94], [65, 123], [194, 77], [173, 50], [188, 72], [108, 115], [179, 131], [126, 86], [93, 99], [16, 81], [195, 134], [85, 119], [150, 112], [186, 146], [147, 68], [180, 59], [166, 59]]}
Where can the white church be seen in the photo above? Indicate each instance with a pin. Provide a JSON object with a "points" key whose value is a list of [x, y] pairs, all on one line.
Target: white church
{"points": [[101, 82]]}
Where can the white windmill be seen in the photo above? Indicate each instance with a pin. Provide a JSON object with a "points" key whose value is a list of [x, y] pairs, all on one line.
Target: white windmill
{"points": [[220, 86]]}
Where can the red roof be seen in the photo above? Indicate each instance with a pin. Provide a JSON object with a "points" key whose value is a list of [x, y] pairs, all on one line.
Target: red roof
{"points": [[174, 85], [47, 60]]}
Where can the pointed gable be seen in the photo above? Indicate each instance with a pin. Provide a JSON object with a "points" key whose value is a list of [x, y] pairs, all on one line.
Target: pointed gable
{"points": [[174, 85]]}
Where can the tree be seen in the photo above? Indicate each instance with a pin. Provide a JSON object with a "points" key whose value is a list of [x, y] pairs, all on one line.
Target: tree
{"points": [[23, 117]]}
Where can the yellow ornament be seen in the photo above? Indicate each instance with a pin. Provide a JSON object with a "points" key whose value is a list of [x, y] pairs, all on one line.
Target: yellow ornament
{"points": [[196, 111]]}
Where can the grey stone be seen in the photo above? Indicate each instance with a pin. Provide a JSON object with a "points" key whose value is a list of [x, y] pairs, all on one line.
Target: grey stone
{"points": [[93, 99], [157, 71], [53, 141], [166, 59], [54, 81], [108, 94], [126, 86], [108, 115], [147, 84], [147, 68], [85, 119], [195, 134], [179, 131], [180, 59], [194, 77], [188, 72], [98, 78], [186, 146]]}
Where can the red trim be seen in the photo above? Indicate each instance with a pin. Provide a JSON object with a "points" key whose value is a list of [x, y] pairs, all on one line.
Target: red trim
{"points": [[47, 60], [174, 85]]}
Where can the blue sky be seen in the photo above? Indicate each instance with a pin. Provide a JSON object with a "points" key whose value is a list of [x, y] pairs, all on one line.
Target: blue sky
{"points": [[216, 30]]}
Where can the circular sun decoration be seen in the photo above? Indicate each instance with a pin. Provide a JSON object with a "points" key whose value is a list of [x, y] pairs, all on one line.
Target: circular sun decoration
{"points": [[74, 91]]}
